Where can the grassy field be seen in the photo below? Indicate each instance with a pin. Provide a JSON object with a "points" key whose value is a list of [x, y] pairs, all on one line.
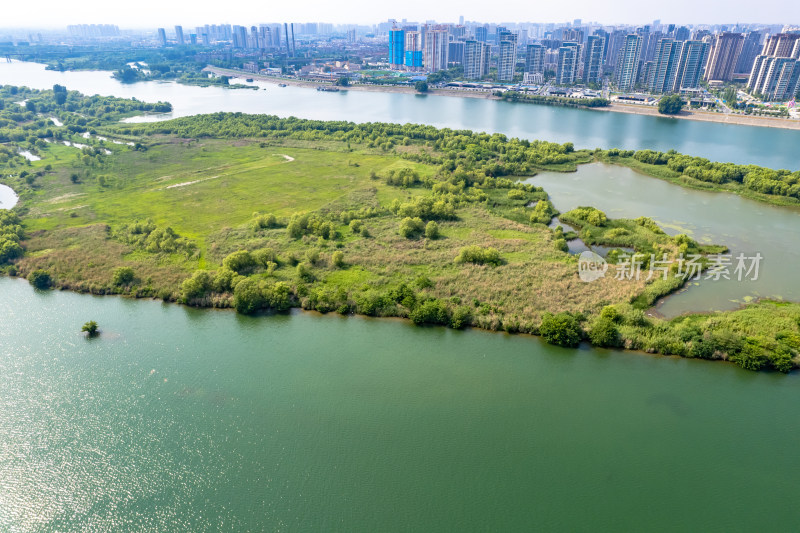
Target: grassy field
{"points": [[208, 191]]}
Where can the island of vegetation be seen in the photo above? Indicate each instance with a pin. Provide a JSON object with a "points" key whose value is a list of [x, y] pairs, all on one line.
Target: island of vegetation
{"points": [[264, 214], [561, 101]]}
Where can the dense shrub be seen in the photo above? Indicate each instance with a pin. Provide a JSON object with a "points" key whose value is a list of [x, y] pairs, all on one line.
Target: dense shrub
{"points": [[604, 332], [248, 297], [432, 230], [239, 262], [479, 256], [40, 279], [561, 329], [543, 212], [430, 312], [411, 227], [122, 276]]}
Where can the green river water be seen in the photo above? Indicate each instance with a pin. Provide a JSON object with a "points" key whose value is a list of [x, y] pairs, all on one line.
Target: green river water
{"points": [[178, 419]]}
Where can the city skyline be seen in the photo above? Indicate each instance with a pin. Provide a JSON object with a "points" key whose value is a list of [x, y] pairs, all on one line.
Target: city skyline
{"points": [[151, 14]]}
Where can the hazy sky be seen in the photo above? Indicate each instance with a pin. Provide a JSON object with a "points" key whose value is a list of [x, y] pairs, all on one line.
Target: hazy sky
{"points": [[152, 13]]}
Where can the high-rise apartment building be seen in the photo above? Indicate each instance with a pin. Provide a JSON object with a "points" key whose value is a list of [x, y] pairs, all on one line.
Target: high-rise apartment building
{"points": [[775, 78], [568, 61], [413, 50], [627, 70], [162, 37], [724, 56], [694, 55], [664, 69], [476, 59], [782, 45], [240, 37], [615, 42], [776, 71], [750, 49], [396, 48], [179, 35], [682, 33], [507, 56], [593, 59], [534, 59], [455, 53], [435, 49]]}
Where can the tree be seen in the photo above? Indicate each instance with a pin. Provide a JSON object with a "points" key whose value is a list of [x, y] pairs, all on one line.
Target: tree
{"points": [[432, 230], [730, 96], [411, 227], [40, 279], [421, 86], [604, 332], [122, 276], [90, 328], [479, 256], [247, 296], [337, 258], [127, 74], [343, 81], [670, 105], [561, 329], [239, 261]]}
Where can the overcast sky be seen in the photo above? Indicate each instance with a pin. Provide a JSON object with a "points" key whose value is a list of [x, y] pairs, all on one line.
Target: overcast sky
{"points": [[152, 13]]}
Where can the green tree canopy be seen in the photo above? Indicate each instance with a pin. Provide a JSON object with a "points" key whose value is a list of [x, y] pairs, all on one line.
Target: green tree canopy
{"points": [[670, 105]]}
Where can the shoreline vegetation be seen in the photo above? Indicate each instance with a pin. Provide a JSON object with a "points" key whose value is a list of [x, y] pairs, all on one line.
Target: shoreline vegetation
{"points": [[560, 101], [260, 214]]}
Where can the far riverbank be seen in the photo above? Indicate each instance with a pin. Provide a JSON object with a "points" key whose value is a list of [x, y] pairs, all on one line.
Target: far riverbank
{"points": [[702, 116]]}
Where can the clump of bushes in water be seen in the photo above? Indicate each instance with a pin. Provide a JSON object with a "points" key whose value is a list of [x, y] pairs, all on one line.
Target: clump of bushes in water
{"points": [[589, 215], [90, 328]]}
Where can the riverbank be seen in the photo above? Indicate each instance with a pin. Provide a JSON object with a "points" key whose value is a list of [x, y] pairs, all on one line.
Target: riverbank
{"points": [[354, 87], [701, 116], [706, 116]]}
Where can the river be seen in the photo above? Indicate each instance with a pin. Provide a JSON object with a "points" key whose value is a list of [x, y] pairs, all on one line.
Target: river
{"points": [[8, 198], [771, 147], [177, 419], [745, 226]]}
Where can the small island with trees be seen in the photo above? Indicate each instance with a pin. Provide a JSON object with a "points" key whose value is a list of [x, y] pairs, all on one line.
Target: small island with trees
{"points": [[260, 213]]}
